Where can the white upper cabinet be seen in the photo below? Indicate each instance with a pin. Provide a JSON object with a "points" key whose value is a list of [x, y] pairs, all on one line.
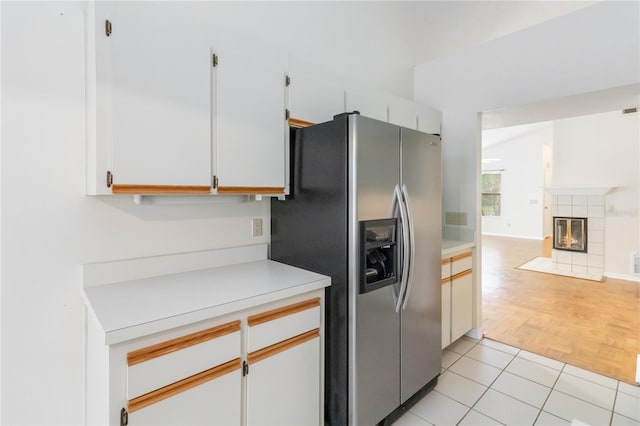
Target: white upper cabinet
{"points": [[250, 125], [149, 93], [403, 112], [429, 119], [313, 98], [368, 104]]}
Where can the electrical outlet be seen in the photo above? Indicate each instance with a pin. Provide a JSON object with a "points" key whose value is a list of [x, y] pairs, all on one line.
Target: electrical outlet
{"points": [[256, 227]]}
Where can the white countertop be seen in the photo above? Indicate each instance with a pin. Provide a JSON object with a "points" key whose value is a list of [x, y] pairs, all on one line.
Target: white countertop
{"points": [[134, 308], [452, 246]]}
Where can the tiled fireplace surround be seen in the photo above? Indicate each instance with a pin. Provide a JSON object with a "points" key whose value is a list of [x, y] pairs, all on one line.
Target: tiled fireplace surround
{"points": [[591, 206]]}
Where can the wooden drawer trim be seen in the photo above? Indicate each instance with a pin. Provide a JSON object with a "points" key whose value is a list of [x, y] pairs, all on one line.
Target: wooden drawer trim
{"points": [[180, 386], [296, 122], [163, 348], [446, 261], [247, 190], [461, 256], [283, 311], [159, 189], [446, 281], [275, 349], [462, 274]]}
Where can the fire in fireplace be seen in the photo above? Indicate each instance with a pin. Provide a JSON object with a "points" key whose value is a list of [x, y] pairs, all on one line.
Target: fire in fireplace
{"points": [[570, 233]]}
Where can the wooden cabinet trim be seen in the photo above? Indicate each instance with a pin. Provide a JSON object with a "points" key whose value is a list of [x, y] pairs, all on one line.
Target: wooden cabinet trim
{"points": [[248, 190], [296, 122], [461, 256], [446, 261], [462, 274], [182, 385], [283, 311], [446, 281], [169, 346], [159, 189], [275, 349]]}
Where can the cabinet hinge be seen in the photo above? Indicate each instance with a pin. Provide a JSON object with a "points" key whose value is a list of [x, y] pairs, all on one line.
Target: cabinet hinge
{"points": [[214, 60], [109, 179], [287, 81], [124, 417], [107, 27], [215, 181], [287, 114], [245, 368]]}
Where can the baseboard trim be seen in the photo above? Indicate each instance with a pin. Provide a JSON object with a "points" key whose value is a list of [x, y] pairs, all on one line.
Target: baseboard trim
{"points": [[626, 277], [524, 237]]}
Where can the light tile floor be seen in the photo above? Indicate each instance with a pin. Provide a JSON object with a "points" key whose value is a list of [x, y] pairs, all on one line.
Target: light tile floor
{"points": [[488, 383]]}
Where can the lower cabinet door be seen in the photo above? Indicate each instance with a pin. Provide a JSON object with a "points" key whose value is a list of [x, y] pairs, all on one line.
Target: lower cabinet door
{"points": [[216, 402], [461, 304], [284, 388], [446, 313]]}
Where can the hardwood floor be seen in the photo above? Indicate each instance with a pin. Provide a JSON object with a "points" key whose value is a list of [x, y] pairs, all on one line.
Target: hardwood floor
{"points": [[592, 325]]}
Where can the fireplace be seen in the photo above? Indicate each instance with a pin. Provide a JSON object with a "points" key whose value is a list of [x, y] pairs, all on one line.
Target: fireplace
{"points": [[570, 234]]}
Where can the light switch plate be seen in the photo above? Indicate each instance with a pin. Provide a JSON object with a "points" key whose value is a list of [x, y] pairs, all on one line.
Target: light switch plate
{"points": [[256, 227]]}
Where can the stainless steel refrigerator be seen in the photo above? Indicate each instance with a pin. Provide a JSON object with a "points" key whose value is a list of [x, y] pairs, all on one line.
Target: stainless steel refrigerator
{"points": [[365, 209]]}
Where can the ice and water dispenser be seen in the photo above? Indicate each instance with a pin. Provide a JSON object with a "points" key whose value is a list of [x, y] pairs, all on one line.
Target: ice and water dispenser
{"points": [[378, 254]]}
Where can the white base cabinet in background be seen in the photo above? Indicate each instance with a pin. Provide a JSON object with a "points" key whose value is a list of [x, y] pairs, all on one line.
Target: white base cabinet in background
{"points": [[457, 296]]}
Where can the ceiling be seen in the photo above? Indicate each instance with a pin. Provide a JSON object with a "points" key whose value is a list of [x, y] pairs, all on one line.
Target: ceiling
{"points": [[440, 28]]}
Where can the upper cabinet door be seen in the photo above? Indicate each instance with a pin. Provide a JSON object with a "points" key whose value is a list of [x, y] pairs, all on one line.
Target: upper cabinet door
{"points": [[313, 98], [250, 129], [429, 119], [368, 104], [153, 97], [403, 112]]}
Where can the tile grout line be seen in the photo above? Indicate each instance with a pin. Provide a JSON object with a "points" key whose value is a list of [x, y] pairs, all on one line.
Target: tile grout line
{"points": [[488, 387], [615, 399]]}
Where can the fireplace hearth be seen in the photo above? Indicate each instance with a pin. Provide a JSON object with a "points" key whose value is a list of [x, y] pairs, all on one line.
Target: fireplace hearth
{"points": [[570, 233]]}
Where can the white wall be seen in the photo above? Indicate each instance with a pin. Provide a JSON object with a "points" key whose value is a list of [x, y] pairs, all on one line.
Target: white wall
{"points": [[50, 228], [604, 150], [522, 182], [592, 49]]}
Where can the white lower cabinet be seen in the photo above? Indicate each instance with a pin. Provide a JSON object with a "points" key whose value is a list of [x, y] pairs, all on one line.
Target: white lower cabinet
{"points": [[294, 389], [284, 363], [215, 402], [457, 296], [259, 366]]}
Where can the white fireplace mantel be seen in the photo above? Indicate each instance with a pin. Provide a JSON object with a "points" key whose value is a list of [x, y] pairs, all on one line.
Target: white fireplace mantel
{"points": [[578, 190]]}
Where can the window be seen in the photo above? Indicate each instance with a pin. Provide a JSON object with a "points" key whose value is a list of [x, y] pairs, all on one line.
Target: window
{"points": [[491, 183]]}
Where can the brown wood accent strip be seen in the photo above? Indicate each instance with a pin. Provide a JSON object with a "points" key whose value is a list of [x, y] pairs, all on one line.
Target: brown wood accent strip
{"points": [[183, 385], [283, 311], [462, 274], [461, 256], [164, 348], [276, 348], [446, 281], [160, 189], [446, 261], [248, 190], [296, 122]]}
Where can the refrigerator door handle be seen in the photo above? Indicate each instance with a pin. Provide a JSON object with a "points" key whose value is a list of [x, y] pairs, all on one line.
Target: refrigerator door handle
{"points": [[412, 246], [405, 247]]}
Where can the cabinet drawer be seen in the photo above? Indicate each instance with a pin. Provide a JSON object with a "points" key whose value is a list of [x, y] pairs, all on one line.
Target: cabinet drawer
{"points": [[461, 262], [446, 268], [279, 324], [155, 366]]}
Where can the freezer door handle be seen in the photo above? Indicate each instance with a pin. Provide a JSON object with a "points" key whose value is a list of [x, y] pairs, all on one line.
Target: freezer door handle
{"points": [[412, 247], [405, 247]]}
